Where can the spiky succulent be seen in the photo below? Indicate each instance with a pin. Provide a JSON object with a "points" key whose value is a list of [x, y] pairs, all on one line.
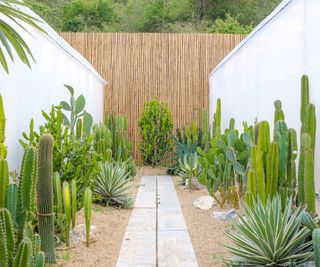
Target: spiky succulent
{"points": [[189, 167], [112, 184], [268, 236]]}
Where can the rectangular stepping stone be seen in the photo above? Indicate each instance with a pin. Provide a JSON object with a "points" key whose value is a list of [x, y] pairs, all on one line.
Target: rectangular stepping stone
{"points": [[157, 234]]}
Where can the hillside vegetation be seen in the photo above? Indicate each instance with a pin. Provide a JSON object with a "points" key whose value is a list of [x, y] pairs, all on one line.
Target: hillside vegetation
{"points": [[223, 16]]}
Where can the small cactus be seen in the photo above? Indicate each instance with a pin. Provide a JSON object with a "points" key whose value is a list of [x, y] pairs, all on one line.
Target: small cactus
{"points": [[67, 210], [87, 209], [4, 181], [73, 202], [45, 197], [278, 113], [216, 128]]}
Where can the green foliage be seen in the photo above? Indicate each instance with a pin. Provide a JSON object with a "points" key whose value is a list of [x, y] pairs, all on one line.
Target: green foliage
{"points": [[11, 39], [87, 203], [268, 236], [226, 16], [230, 25], [156, 132], [87, 15], [112, 184], [45, 197]]}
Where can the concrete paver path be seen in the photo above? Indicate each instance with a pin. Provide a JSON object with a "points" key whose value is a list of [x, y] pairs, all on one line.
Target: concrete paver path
{"points": [[157, 235]]}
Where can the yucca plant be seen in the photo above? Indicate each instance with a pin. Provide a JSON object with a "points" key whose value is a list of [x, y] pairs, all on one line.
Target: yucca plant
{"points": [[268, 236], [10, 38], [112, 184], [189, 168]]}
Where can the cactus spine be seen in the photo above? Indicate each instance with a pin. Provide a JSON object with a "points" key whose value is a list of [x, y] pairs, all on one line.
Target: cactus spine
{"points": [[67, 210], [73, 202], [45, 197], [4, 181], [87, 210], [316, 245], [272, 170]]}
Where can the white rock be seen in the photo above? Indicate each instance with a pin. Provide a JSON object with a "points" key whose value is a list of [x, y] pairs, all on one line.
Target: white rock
{"points": [[78, 234], [225, 215], [204, 203]]}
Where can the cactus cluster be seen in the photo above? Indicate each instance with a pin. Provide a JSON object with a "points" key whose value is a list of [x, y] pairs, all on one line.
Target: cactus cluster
{"points": [[306, 190]]}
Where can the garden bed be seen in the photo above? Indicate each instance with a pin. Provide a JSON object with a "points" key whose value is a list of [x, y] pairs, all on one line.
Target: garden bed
{"points": [[207, 233]]}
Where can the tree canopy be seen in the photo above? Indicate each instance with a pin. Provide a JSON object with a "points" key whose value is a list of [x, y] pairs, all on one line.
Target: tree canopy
{"points": [[225, 16]]}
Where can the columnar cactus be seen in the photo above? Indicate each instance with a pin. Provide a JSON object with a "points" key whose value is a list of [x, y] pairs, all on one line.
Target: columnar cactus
{"points": [[216, 127], [67, 210], [87, 210], [22, 258], [6, 238], [73, 202], [316, 245], [45, 197], [278, 113], [309, 187], [282, 139], [251, 187], [304, 97], [291, 164], [12, 197], [79, 129], [232, 123], [26, 191], [3, 147], [57, 193], [311, 124], [4, 181], [257, 165], [273, 170]]}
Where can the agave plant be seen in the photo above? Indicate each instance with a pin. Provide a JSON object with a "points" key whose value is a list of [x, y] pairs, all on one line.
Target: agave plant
{"points": [[189, 168], [112, 184], [268, 236]]}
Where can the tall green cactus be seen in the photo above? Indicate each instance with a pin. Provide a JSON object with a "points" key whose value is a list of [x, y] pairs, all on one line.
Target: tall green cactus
{"points": [[73, 202], [309, 187], [45, 197], [26, 191], [257, 166], [57, 193], [311, 124], [12, 197], [304, 97], [6, 238], [316, 245], [281, 137], [4, 181], [273, 170], [278, 113], [216, 127], [3, 147], [87, 210], [67, 211], [291, 164]]}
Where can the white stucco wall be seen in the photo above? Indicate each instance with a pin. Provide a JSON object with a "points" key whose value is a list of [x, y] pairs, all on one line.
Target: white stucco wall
{"points": [[268, 66], [26, 92]]}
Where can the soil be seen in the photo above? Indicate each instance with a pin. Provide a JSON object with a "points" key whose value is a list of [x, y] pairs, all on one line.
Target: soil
{"points": [[207, 234], [111, 225]]}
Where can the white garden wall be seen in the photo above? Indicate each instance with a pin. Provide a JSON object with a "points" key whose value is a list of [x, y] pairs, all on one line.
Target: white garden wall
{"points": [[26, 92], [268, 65]]}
